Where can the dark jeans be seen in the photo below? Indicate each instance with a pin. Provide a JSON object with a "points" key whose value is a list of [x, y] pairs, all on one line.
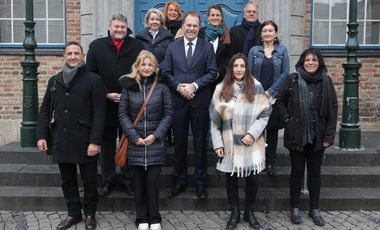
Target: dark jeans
{"points": [[232, 186], [107, 158], [147, 189], [314, 162], [88, 172], [271, 149]]}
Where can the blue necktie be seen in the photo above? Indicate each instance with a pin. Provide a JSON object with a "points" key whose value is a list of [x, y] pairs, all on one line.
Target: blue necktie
{"points": [[189, 55]]}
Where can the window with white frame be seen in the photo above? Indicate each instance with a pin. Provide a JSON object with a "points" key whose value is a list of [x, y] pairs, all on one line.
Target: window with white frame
{"points": [[330, 18], [49, 16]]}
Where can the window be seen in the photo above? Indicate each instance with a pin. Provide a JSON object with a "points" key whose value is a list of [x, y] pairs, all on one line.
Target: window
{"points": [[330, 18], [49, 16]]}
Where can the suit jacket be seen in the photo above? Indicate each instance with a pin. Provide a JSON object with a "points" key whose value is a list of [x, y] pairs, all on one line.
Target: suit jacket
{"points": [[202, 71]]}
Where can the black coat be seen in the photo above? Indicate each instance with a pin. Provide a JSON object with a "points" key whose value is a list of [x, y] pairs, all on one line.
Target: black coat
{"points": [[103, 60], [289, 108], [155, 120], [222, 57], [159, 45], [238, 34], [79, 115]]}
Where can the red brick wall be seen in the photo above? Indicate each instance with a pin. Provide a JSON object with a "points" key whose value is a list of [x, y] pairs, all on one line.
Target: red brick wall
{"points": [[369, 86], [11, 69]]}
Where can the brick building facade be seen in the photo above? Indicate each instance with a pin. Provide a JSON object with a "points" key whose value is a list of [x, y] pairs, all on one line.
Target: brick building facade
{"points": [[50, 64]]}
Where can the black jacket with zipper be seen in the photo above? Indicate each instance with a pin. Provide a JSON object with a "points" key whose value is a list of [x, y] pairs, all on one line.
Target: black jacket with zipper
{"points": [[155, 120]]}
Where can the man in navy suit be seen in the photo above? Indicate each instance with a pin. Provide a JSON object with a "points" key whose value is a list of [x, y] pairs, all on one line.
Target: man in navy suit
{"points": [[190, 68]]}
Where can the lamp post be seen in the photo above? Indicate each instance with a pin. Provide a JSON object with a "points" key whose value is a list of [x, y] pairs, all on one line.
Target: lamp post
{"points": [[30, 90], [349, 132]]}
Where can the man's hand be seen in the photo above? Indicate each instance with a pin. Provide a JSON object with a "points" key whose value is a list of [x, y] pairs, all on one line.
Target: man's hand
{"points": [[187, 90], [93, 150], [114, 97], [42, 145], [149, 140]]}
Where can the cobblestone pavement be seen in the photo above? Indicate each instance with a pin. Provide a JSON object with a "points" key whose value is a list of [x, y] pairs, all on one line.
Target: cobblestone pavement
{"points": [[193, 220]]}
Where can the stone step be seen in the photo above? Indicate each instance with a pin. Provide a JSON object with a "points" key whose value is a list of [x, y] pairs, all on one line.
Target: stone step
{"points": [[13, 154], [332, 176], [23, 198]]}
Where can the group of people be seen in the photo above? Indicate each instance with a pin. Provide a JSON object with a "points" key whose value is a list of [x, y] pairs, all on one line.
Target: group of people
{"points": [[234, 84]]}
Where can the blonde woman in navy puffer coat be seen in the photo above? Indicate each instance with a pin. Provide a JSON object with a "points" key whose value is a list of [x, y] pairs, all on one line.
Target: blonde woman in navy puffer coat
{"points": [[146, 153]]}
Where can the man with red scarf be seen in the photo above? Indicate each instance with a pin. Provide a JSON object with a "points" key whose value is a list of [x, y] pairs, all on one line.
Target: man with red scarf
{"points": [[111, 57]]}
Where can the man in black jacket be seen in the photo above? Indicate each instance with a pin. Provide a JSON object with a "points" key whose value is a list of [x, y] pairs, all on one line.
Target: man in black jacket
{"points": [[111, 57], [247, 34], [74, 108]]}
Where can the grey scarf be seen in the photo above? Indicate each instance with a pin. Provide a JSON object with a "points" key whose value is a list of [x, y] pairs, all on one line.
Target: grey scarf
{"points": [[305, 100], [69, 73]]}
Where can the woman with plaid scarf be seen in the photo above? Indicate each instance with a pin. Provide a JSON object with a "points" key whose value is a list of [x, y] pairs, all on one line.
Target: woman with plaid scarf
{"points": [[239, 113]]}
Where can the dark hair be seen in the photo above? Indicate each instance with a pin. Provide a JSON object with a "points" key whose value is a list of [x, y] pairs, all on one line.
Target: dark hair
{"points": [[71, 43], [225, 39], [192, 13], [314, 52], [272, 23], [226, 92]]}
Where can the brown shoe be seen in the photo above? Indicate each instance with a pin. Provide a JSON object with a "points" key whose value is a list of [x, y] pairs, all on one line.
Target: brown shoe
{"points": [[90, 223], [70, 221]]}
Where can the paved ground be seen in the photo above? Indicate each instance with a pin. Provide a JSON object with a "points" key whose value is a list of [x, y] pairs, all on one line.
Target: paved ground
{"points": [[192, 220]]}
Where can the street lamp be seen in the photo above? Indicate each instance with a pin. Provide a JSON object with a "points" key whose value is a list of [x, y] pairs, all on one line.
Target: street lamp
{"points": [[349, 132], [30, 90]]}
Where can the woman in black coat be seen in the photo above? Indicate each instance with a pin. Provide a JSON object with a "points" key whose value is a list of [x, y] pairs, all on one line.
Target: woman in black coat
{"points": [[146, 151], [155, 37], [173, 17], [216, 32], [308, 107]]}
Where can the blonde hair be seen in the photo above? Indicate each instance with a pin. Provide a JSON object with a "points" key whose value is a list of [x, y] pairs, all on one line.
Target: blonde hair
{"points": [[140, 58], [156, 11]]}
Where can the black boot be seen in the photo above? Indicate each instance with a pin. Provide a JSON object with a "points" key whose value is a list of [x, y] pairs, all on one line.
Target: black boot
{"points": [[232, 187], [234, 218], [250, 218], [316, 216], [295, 216]]}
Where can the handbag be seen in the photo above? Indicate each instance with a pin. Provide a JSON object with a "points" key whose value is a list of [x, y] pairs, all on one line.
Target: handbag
{"points": [[51, 120], [122, 150]]}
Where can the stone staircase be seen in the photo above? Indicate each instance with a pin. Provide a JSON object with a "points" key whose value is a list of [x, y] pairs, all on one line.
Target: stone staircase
{"points": [[350, 181]]}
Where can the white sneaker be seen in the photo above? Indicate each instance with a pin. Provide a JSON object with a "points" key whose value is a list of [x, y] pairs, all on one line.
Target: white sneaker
{"points": [[143, 226], [155, 226]]}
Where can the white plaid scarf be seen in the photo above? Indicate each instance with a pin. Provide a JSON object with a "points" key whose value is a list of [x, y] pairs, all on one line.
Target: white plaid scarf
{"points": [[232, 120]]}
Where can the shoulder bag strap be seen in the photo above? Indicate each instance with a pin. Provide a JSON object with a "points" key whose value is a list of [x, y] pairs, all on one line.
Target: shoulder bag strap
{"points": [[145, 103], [52, 93]]}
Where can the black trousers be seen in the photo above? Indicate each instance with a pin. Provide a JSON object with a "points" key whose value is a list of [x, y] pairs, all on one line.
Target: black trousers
{"points": [[199, 119], [232, 186], [107, 158], [314, 162], [271, 149], [147, 191], [88, 172]]}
